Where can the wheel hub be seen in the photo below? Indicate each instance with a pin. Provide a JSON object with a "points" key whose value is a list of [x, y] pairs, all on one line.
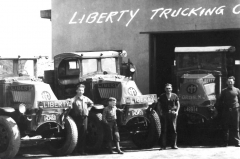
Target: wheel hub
{"points": [[4, 138]]}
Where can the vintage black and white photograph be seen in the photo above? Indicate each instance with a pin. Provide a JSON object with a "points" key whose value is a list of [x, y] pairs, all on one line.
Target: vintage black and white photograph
{"points": [[128, 79]]}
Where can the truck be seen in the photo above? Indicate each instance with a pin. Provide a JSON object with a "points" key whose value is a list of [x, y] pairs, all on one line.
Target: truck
{"points": [[30, 113], [105, 75], [200, 74]]}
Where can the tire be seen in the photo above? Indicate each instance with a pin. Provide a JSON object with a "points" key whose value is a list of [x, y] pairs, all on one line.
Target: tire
{"points": [[69, 142], [9, 137], [95, 133], [149, 138]]}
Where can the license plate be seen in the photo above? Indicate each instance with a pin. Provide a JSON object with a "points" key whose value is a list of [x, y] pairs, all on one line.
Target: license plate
{"points": [[50, 117], [191, 109], [136, 112]]}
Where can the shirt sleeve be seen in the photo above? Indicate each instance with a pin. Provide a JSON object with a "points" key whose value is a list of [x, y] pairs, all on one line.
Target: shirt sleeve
{"points": [[90, 102], [238, 95], [104, 115], [176, 97]]}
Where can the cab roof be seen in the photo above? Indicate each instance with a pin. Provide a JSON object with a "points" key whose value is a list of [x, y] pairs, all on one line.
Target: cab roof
{"points": [[205, 49]]}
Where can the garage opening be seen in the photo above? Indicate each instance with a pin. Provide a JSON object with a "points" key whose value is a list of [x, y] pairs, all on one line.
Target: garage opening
{"points": [[162, 55]]}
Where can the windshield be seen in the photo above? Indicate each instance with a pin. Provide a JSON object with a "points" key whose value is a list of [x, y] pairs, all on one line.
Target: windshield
{"points": [[200, 60], [109, 65], [6, 67], [25, 67], [210, 88], [89, 66]]}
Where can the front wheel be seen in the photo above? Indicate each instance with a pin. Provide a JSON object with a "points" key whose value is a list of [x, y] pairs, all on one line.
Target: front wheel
{"points": [[150, 132], [95, 132], [67, 144], [9, 137]]}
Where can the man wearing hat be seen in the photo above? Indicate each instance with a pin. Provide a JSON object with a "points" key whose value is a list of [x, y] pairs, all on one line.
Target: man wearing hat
{"points": [[109, 117], [80, 109]]}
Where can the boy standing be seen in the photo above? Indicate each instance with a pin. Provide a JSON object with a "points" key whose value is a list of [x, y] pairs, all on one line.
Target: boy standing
{"points": [[109, 117]]}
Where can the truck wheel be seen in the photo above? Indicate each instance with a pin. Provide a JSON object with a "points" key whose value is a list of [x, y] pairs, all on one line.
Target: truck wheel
{"points": [[69, 139], [151, 132], [9, 137], [95, 132]]}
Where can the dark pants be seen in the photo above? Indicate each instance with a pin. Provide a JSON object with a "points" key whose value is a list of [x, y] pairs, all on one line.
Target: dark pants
{"points": [[169, 120], [112, 132], [231, 122], [81, 122]]}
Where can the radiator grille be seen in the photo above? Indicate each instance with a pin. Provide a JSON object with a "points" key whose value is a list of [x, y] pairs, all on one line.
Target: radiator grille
{"points": [[22, 96], [108, 92]]}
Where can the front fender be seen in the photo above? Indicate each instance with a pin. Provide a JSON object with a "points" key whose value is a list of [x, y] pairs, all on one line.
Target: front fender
{"points": [[11, 112], [6, 110]]}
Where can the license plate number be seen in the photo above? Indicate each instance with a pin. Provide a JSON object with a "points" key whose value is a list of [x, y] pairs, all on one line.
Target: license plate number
{"points": [[51, 117], [191, 109], [136, 112]]}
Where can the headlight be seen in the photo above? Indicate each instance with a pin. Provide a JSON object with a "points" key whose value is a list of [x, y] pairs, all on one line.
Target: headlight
{"points": [[22, 108], [132, 69]]}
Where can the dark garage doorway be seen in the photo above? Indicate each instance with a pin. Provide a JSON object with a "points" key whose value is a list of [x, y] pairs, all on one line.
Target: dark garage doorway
{"points": [[162, 52]]}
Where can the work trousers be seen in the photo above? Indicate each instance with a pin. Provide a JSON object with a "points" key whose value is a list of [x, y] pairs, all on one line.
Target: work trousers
{"points": [[231, 122], [112, 132], [81, 122], [169, 120]]}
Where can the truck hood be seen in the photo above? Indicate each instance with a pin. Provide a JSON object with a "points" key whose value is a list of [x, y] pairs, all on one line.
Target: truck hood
{"points": [[30, 92], [196, 89]]}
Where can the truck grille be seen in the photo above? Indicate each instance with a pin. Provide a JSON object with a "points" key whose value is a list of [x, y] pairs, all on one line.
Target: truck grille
{"points": [[108, 92], [22, 96]]}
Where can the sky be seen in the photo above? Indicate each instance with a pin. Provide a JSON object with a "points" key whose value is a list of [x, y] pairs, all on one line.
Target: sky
{"points": [[22, 30]]}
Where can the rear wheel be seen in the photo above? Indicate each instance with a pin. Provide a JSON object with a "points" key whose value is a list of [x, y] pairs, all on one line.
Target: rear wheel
{"points": [[95, 132], [68, 142], [9, 137], [148, 135]]}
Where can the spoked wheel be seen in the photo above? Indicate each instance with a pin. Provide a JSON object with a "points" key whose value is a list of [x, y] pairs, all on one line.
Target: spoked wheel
{"points": [[149, 132], [67, 139], [9, 137], [95, 132]]}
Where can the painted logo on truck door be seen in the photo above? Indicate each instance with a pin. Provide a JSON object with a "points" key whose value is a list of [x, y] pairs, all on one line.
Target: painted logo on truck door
{"points": [[46, 95], [132, 91], [191, 89]]}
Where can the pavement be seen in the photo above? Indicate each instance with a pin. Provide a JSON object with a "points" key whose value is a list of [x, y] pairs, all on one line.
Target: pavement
{"points": [[132, 152]]}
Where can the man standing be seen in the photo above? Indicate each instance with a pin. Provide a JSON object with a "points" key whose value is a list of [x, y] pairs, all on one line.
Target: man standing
{"points": [[80, 109], [168, 110], [229, 103], [109, 118]]}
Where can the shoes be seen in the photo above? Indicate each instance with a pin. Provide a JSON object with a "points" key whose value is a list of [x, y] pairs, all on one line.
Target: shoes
{"points": [[174, 147], [162, 148], [120, 152], [110, 152]]}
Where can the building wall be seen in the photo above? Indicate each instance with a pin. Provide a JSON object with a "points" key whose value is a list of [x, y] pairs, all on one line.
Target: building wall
{"points": [[81, 25]]}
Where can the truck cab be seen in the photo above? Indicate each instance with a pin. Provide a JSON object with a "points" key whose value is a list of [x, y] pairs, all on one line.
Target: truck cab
{"points": [[201, 73], [105, 75]]}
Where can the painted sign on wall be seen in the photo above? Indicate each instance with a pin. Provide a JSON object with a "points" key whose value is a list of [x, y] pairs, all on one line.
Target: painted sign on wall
{"points": [[165, 13]]}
